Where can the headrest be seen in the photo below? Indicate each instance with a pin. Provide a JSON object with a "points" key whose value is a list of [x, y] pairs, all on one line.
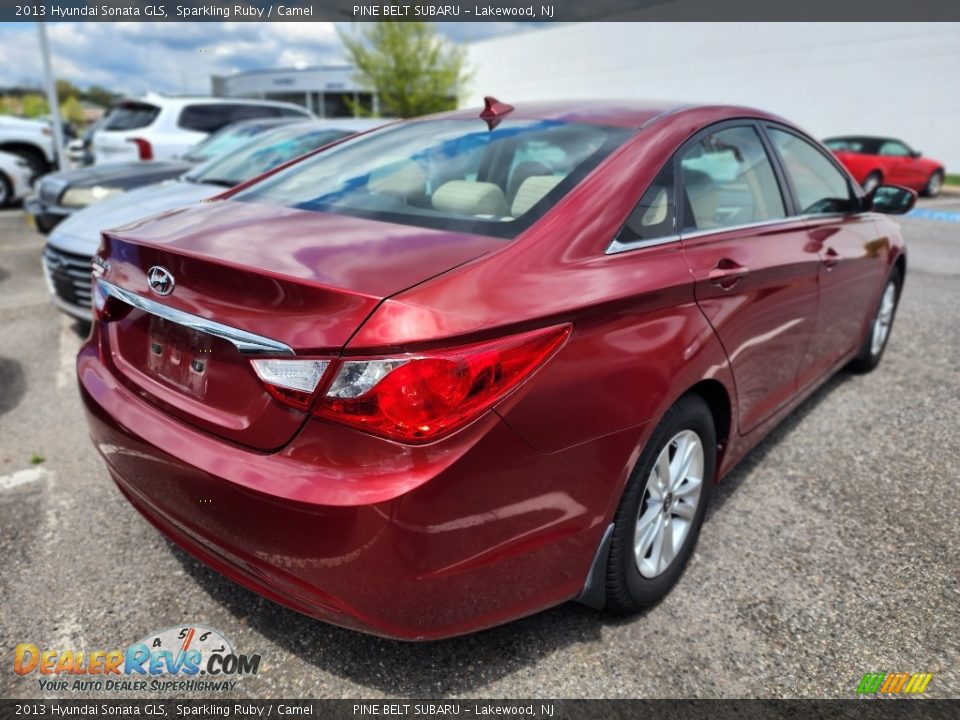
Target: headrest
{"points": [[403, 179], [464, 197], [533, 190]]}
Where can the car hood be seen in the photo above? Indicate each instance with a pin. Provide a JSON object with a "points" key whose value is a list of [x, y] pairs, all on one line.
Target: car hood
{"points": [[121, 175], [80, 233]]}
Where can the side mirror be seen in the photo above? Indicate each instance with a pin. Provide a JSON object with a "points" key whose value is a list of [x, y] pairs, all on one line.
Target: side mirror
{"points": [[891, 199]]}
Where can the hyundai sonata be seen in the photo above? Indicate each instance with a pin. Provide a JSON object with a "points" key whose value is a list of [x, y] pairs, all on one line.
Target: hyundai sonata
{"points": [[466, 367]]}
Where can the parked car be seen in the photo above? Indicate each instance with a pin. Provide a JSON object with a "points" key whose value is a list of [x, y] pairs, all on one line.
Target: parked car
{"points": [[15, 178], [61, 194], [460, 369], [71, 245], [79, 150], [30, 139], [876, 160], [162, 127]]}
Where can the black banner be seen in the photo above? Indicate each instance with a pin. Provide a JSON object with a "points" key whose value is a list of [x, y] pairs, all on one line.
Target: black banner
{"points": [[913, 709], [492, 11]]}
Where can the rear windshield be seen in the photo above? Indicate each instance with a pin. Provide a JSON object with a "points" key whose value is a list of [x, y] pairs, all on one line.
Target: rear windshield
{"points": [[448, 174], [263, 153], [131, 116], [223, 141]]}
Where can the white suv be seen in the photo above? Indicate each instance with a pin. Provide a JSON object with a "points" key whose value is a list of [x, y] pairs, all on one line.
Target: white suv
{"points": [[162, 127], [28, 139]]}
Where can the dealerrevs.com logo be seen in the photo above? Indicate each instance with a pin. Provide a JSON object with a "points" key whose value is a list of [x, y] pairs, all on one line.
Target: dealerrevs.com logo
{"points": [[190, 658]]}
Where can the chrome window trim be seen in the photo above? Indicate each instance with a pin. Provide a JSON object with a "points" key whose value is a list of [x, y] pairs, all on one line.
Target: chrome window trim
{"points": [[246, 342], [744, 226], [618, 247]]}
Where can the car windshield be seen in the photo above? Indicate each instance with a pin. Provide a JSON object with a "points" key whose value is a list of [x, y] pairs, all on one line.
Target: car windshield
{"points": [[223, 141], [452, 174], [263, 153]]}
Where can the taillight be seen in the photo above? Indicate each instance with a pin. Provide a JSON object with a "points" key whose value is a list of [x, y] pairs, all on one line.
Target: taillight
{"points": [[144, 148], [421, 397]]}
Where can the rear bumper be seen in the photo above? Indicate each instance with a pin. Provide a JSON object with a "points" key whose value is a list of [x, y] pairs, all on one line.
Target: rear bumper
{"points": [[411, 543]]}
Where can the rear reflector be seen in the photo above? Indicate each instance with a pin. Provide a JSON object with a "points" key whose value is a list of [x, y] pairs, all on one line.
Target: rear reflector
{"points": [[422, 397], [292, 381]]}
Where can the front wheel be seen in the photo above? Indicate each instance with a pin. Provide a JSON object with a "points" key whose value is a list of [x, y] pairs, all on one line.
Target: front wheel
{"points": [[6, 191], [871, 351], [662, 508]]}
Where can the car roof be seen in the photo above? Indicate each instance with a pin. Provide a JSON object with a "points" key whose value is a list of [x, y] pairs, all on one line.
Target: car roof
{"points": [[617, 112], [863, 138]]}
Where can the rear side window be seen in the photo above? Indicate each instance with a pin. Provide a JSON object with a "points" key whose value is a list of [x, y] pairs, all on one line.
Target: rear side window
{"points": [[728, 180], [894, 147], [131, 116], [210, 117], [655, 216], [820, 187]]}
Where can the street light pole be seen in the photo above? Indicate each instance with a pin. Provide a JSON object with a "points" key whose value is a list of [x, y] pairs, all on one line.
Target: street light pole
{"points": [[52, 97]]}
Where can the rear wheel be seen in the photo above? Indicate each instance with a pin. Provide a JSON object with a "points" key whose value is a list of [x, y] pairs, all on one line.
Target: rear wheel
{"points": [[662, 509], [934, 184], [871, 351], [871, 181]]}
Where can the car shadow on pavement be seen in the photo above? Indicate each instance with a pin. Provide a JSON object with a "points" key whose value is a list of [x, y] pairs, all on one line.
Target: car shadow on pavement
{"points": [[458, 665], [728, 486], [13, 384]]}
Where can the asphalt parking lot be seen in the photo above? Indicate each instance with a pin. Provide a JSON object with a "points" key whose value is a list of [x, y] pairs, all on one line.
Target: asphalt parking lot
{"points": [[833, 550]]}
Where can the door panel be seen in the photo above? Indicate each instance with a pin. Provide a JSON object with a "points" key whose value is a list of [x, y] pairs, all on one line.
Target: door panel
{"points": [[854, 259], [765, 318]]}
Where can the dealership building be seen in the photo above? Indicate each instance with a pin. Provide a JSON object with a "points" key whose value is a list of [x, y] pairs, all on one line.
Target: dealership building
{"points": [[896, 79], [330, 91]]}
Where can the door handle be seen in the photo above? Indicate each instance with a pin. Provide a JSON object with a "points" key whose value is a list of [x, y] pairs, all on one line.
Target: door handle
{"points": [[727, 273], [831, 258]]}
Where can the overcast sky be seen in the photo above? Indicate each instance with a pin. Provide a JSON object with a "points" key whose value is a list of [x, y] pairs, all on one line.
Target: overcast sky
{"points": [[180, 57]]}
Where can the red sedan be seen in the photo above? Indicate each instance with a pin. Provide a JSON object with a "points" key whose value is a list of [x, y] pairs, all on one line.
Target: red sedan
{"points": [[876, 160], [463, 368]]}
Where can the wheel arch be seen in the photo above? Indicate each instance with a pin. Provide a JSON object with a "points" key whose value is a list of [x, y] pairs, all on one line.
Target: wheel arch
{"points": [[715, 394]]}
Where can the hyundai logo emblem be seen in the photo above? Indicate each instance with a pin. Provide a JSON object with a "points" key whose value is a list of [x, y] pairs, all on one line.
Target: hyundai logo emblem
{"points": [[160, 280]]}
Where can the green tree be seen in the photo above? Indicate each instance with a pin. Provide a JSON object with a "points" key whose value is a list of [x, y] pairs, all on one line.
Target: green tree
{"points": [[409, 66], [66, 89], [71, 110], [35, 105], [99, 96]]}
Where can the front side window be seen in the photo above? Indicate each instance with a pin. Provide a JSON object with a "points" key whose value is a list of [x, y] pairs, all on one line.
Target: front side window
{"points": [[820, 187], [894, 147], [727, 180], [451, 174]]}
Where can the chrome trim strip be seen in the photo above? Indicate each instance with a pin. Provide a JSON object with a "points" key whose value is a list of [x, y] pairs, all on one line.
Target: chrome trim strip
{"points": [[618, 247], [745, 226], [246, 342]]}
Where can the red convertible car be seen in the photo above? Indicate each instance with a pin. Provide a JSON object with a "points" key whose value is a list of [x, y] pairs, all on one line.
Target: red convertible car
{"points": [[466, 367], [876, 160]]}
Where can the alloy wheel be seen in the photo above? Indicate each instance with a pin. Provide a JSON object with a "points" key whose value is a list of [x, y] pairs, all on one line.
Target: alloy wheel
{"points": [[884, 318], [670, 501]]}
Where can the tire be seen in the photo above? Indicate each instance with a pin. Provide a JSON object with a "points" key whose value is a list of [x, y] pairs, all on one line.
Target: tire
{"points": [[871, 181], [636, 580], [6, 191], [934, 184], [875, 342]]}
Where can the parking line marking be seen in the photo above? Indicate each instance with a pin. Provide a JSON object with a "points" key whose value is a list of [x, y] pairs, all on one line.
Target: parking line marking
{"points": [[23, 477], [940, 215]]}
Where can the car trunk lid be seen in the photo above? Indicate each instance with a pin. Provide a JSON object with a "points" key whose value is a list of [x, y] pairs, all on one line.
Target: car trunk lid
{"points": [[295, 279]]}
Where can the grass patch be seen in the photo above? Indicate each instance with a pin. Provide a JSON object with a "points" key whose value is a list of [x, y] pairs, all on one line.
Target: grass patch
{"points": [[37, 459], [952, 179]]}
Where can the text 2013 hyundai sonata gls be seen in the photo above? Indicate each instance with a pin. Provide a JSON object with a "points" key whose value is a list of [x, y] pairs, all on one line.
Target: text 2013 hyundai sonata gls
{"points": [[463, 368]]}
